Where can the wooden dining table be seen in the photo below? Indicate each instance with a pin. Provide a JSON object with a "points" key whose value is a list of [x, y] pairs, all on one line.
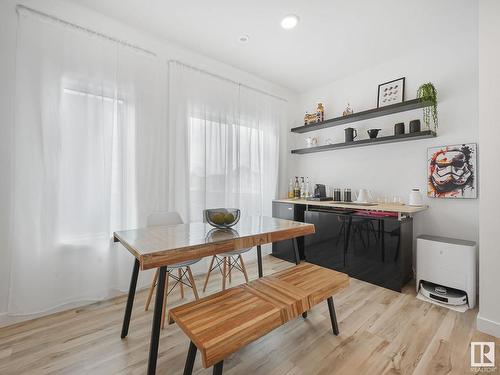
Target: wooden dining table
{"points": [[161, 246]]}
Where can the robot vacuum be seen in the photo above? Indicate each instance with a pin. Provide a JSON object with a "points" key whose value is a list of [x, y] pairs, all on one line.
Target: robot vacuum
{"points": [[443, 294]]}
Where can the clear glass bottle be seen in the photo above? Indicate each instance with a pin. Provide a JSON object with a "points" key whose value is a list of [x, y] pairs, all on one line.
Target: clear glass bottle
{"points": [[296, 188], [307, 193], [291, 194], [302, 188]]}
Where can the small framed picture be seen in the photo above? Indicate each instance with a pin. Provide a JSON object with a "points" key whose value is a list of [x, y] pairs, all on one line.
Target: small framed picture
{"points": [[391, 92]]}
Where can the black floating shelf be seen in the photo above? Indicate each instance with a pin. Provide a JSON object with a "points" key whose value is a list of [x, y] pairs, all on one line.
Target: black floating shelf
{"points": [[368, 142], [364, 115]]}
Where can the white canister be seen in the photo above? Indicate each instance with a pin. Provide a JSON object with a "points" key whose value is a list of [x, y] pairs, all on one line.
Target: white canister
{"points": [[415, 198]]}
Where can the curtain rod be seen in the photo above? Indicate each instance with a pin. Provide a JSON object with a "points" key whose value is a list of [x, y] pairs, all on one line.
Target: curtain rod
{"points": [[84, 29], [227, 79]]}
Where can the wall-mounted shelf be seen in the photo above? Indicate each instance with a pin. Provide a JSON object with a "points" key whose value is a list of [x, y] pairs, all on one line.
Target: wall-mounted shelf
{"points": [[368, 142], [364, 115]]}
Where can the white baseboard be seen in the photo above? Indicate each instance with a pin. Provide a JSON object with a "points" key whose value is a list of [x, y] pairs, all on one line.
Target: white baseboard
{"points": [[488, 326]]}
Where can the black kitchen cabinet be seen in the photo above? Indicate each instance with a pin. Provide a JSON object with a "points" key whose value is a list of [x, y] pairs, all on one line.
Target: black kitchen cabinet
{"points": [[374, 249], [288, 211]]}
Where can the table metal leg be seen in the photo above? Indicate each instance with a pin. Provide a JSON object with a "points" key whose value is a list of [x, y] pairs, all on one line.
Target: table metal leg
{"points": [[333, 316], [155, 331], [296, 250], [259, 260], [218, 368], [130, 300]]}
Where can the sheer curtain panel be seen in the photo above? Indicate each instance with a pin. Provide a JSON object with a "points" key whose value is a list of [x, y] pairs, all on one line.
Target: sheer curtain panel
{"points": [[89, 158], [224, 140]]}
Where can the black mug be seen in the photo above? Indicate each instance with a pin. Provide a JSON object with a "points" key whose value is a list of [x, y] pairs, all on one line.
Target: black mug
{"points": [[414, 126], [399, 128], [372, 133], [350, 134]]}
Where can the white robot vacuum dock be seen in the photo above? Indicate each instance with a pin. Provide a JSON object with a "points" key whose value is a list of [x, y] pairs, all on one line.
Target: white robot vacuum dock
{"points": [[446, 271]]}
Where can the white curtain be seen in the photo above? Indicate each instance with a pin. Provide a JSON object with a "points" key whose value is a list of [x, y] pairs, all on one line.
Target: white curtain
{"points": [[89, 158], [224, 141]]}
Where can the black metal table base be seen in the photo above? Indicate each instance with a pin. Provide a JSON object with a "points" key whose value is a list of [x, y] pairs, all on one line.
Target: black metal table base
{"points": [[259, 260], [333, 316], [188, 368], [130, 299], [155, 330]]}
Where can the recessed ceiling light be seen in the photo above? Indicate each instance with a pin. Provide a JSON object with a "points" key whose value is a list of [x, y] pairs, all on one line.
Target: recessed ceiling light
{"points": [[290, 21], [243, 38]]}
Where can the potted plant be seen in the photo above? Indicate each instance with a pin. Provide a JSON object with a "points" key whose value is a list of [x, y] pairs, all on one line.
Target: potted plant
{"points": [[428, 93]]}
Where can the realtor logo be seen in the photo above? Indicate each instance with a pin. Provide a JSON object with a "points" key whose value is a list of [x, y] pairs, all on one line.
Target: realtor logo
{"points": [[482, 354]]}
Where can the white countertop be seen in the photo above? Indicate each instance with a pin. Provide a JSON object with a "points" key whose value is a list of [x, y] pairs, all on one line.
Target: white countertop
{"points": [[387, 207]]}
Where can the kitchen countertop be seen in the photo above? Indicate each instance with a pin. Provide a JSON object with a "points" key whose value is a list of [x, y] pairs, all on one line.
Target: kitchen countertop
{"points": [[387, 207]]}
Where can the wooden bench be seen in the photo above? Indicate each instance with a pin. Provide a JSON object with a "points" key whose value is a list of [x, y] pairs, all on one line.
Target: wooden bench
{"points": [[221, 324]]}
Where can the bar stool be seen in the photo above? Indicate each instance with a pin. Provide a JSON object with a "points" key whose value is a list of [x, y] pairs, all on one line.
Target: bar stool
{"points": [[225, 262], [183, 276]]}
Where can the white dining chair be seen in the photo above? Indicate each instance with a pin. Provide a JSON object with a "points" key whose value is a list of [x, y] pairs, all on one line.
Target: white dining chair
{"points": [[183, 276]]}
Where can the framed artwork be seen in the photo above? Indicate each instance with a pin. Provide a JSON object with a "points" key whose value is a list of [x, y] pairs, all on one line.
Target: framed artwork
{"points": [[452, 171], [391, 92]]}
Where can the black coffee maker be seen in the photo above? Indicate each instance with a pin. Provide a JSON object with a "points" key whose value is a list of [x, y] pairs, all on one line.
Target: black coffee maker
{"points": [[319, 193]]}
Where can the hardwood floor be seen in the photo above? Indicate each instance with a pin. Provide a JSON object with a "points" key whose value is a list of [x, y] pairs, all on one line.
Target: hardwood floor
{"points": [[381, 332]]}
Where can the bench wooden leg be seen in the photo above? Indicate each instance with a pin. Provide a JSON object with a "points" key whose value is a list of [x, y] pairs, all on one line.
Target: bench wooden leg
{"points": [[188, 368], [333, 317], [218, 368]]}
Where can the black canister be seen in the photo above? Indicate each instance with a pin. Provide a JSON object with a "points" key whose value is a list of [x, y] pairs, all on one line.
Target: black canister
{"points": [[414, 126], [347, 195], [399, 128], [336, 195]]}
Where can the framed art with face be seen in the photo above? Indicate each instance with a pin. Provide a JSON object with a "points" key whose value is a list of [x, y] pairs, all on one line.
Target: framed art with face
{"points": [[452, 171]]}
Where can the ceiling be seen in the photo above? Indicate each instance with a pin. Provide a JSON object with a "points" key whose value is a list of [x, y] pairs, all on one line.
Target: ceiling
{"points": [[333, 38]]}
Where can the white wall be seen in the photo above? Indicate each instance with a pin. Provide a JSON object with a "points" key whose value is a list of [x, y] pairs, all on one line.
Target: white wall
{"points": [[449, 60], [98, 22], [489, 134]]}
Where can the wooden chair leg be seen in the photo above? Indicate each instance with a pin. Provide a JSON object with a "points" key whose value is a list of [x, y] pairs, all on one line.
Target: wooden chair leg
{"points": [[179, 273], [229, 260], [151, 290], [244, 269], [193, 284], [164, 311], [224, 273], [208, 274]]}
